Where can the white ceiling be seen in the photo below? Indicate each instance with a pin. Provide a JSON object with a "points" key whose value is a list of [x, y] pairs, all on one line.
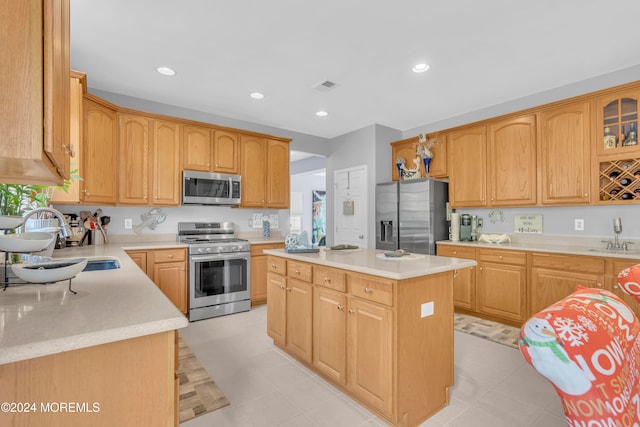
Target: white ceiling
{"points": [[482, 53]]}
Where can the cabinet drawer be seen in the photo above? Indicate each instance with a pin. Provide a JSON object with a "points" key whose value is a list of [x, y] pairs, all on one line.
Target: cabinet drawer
{"points": [[456, 252], [277, 265], [256, 250], [372, 289], [504, 257], [329, 278], [299, 270], [571, 263], [169, 255]]}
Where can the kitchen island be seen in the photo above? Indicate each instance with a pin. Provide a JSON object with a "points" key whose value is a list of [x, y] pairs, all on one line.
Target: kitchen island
{"points": [[380, 329], [104, 356]]}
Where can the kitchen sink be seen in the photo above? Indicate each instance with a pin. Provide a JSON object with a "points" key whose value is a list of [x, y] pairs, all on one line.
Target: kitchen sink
{"points": [[98, 264], [615, 251]]}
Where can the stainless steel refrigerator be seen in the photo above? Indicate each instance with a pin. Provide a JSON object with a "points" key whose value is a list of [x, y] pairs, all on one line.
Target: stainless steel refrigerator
{"points": [[411, 215]]}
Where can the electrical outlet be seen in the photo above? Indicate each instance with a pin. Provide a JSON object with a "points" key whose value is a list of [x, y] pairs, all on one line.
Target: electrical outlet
{"points": [[128, 224], [579, 225]]}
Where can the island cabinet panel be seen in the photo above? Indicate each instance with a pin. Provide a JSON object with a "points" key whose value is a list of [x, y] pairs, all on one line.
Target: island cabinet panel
{"points": [[130, 387], [615, 266], [330, 333], [259, 272], [370, 354], [276, 307], [299, 302], [373, 337]]}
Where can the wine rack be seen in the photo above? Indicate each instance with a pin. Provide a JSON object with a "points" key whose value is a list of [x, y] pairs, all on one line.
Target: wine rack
{"points": [[619, 180]]}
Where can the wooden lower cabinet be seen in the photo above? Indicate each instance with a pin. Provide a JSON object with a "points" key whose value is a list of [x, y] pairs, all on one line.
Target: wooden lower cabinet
{"points": [[370, 354], [464, 280], [132, 381], [502, 284], [366, 334], [617, 266], [330, 333], [168, 270], [259, 272]]}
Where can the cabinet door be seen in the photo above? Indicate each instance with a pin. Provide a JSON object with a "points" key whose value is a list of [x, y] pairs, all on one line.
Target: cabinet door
{"points": [[140, 258], [277, 308], [405, 149], [134, 149], [56, 84], [72, 195], [565, 154], [278, 174], [330, 333], [171, 278], [99, 154], [616, 123], [438, 166], [258, 279], [299, 303], [464, 280], [197, 148], [253, 169], [370, 355], [468, 168], [512, 162], [166, 163], [501, 290], [225, 152], [549, 286]]}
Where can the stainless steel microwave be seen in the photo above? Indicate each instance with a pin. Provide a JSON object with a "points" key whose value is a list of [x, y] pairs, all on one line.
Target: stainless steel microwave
{"points": [[206, 188]]}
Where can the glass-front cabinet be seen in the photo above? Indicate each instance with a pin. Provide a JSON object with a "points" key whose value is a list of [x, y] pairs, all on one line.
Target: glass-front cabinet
{"points": [[618, 152], [617, 123]]}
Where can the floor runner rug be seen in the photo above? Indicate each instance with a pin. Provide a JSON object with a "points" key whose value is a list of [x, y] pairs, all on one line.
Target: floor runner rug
{"points": [[493, 331], [199, 394]]}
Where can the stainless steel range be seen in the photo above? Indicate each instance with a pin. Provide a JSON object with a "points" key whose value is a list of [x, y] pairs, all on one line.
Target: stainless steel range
{"points": [[219, 267]]}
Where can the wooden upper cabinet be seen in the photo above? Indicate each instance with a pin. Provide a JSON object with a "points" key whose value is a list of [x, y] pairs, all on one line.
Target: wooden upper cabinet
{"points": [[616, 123], [166, 163], [264, 167], [278, 178], [439, 165], [197, 148], [408, 150], [226, 151], [564, 154], [468, 167], [99, 152], [134, 151], [405, 149], [253, 168], [512, 162], [34, 124]]}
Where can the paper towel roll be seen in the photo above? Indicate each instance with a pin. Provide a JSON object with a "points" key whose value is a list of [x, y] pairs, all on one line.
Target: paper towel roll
{"points": [[455, 226]]}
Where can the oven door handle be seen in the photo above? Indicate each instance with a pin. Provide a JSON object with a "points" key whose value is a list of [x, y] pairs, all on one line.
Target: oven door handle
{"points": [[217, 257]]}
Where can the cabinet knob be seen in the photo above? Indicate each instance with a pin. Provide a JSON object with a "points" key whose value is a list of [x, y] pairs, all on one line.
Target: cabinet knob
{"points": [[599, 285], [340, 307], [326, 279], [281, 286], [500, 257], [351, 311], [288, 289], [586, 194], [273, 266], [615, 286], [297, 272], [367, 290], [170, 256]]}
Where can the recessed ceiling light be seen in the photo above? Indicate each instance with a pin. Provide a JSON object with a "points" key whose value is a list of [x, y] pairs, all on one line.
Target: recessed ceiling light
{"points": [[256, 95], [420, 68], [166, 71], [321, 113]]}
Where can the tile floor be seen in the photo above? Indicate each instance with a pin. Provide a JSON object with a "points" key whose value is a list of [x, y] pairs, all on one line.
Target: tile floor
{"points": [[493, 385]]}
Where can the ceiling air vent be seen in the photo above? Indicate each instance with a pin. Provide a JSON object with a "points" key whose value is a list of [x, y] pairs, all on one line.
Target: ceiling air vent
{"points": [[325, 85]]}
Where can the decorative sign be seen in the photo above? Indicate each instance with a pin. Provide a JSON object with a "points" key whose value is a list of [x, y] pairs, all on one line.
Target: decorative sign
{"points": [[527, 224]]}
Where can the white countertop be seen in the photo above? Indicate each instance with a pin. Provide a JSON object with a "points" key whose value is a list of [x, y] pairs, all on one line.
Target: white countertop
{"points": [[563, 246], [110, 305], [370, 261]]}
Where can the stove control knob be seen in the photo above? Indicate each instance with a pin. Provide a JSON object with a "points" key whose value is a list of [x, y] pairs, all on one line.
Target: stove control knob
{"points": [[200, 250], [209, 250], [220, 249]]}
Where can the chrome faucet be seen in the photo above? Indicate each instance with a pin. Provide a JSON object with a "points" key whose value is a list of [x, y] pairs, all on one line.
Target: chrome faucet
{"points": [[64, 227]]}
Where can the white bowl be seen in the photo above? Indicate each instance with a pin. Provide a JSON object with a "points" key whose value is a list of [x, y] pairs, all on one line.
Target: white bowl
{"points": [[51, 271], [10, 222], [26, 242]]}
